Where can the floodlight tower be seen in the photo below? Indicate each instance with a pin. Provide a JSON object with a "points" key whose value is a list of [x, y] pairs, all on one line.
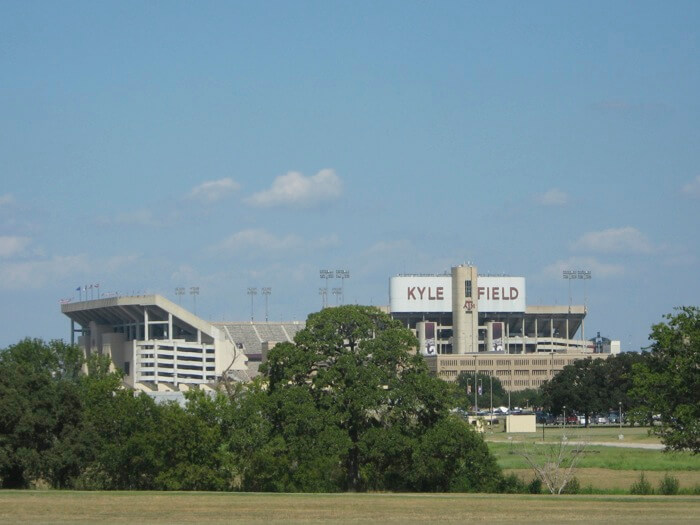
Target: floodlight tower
{"points": [[337, 292], [326, 274], [569, 275], [252, 292], [266, 291], [194, 292], [585, 275], [179, 291], [342, 275], [323, 292]]}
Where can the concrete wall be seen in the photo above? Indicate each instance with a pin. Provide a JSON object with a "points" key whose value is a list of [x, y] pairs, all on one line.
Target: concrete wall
{"points": [[521, 423], [515, 371]]}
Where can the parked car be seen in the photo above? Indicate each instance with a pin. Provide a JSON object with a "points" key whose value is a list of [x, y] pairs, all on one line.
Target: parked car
{"points": [[544, 418], [600, 419]]}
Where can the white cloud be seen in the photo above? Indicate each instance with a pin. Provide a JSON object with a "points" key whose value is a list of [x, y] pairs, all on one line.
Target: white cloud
{"points": [[598, 269], [692, 189], [259, 240], [12, 245], [295, 189], [6, 199], [614, 240], [35, 274], [71, 269], [214, 190], [553, 197]]}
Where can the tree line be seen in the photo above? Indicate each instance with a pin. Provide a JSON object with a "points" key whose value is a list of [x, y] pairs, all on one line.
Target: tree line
{"points": [[659, 387], [347, 407]]}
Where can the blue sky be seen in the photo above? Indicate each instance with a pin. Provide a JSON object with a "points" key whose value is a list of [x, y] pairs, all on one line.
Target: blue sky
{"points": [[225, 145]]}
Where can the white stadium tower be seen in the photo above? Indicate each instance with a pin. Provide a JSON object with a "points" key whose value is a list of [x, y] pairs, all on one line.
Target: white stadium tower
{"points": [[466, 322]]}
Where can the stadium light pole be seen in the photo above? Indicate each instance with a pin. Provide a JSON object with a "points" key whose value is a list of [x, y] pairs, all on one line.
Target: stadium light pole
{"points": [[252, 292], [266, 292], [179, 291], [342, 275], [569, 275], [584, 275], [337, 292], [326, 274], [323, 292], [194, 292]]}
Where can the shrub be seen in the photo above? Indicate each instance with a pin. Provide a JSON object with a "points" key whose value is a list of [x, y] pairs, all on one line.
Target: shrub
{"points": [[572, 487], [535, 486], [669, 485], [512, 484], [641, 486]]}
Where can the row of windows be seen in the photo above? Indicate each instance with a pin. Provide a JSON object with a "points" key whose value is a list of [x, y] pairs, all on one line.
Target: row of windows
{"points": [[151, 373], [171, 366], [490, 362]]}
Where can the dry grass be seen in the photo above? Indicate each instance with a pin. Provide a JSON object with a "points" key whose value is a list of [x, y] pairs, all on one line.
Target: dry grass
{"points": [[149, 507], [607, 479]]}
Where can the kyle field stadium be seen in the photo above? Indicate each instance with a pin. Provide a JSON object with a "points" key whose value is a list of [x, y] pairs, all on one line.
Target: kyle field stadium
{"points": [[464, 322]]}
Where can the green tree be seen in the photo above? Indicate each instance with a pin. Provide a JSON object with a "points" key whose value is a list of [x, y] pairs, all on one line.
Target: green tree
{"points": [[668, 381], [528, 397], [450, 457], [579, 387], [40, 414], [464, 391], [188, 451], [593, 386], [367, 401]]}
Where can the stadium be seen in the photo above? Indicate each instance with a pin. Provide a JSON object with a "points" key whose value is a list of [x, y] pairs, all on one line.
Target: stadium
{"points": [[464, 322], [470, 323]]}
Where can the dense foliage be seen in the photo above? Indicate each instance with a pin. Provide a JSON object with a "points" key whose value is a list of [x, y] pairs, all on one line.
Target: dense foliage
{"points": [[375, 417], [492, 393], [660, 387], [668, 382], [593, 386], [346, 407]]}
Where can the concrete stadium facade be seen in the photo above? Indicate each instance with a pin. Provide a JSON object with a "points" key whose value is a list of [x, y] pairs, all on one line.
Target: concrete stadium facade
{"points": [[159, 345], [464, 322], [470, 323]]}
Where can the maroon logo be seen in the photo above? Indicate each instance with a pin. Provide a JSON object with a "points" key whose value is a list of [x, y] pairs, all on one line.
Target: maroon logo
{"points": [[468, 305]]}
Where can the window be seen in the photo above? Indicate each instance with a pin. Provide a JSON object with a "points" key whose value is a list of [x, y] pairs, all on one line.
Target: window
{"points": [[467, 288], [127, 368]]}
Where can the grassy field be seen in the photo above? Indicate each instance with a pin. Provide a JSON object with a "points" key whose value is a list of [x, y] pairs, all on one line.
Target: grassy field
{"points": [[149, 507], [609, 458], [605, 468], [594, 433]]}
